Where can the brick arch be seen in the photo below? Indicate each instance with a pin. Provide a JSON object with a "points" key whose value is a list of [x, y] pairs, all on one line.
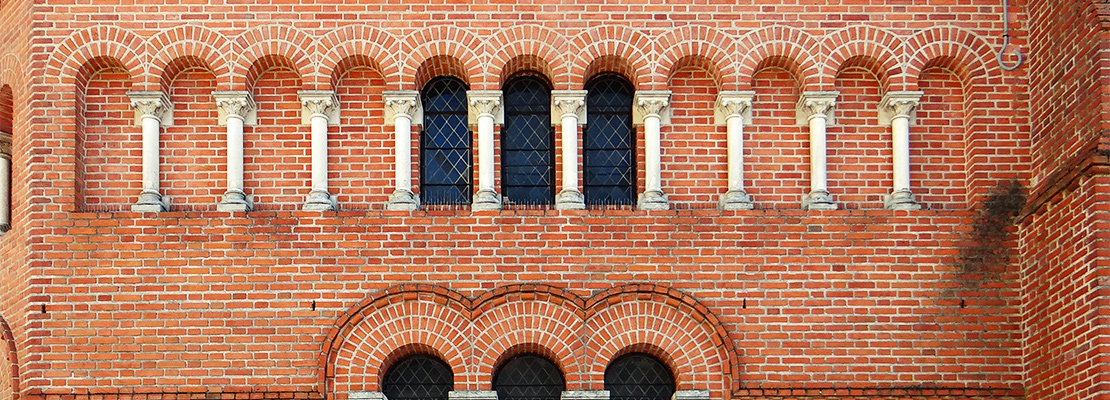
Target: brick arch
{"points": [[962, 51], [525, 63], [400, 317], [410, 350], [269, 41], [866, 42], [526, 320], [103, 41], [266, 63], [443, 42], [647, 315], [537, 45], [710, 47], [611, 64], [785, 42], [178, 65], [372, 47], [11, 71], [440, 66], [9, 370], [613, 42], [7, 107], [198, 43]]}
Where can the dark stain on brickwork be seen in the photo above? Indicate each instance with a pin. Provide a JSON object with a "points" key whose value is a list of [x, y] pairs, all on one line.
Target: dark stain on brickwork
{"points": [[985, 256]]}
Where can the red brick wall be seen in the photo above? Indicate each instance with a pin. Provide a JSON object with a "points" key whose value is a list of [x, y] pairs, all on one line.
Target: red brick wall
{"points": [[778, 300]]}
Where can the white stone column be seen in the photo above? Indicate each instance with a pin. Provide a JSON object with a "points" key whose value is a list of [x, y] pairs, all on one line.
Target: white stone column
{"points": [[485, 108], [318, 107], [651, 108], [815, 109], [234, 109], [151, 108], [733, 108], [403, 106], [5, 181], [569, 110], [897, 111]]}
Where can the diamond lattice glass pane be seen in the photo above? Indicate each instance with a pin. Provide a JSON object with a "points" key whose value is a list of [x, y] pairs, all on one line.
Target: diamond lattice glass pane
{"points": [[528, 143], [528, 377], [445, 161], [609, 143], [418, 377], [639, 376]]}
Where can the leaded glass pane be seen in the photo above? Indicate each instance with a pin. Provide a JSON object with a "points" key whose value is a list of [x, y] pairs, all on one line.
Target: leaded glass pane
{"points": [[609, 156], [639, 376], [445, 154], [528, 142], [528, 377], [418, 377]]}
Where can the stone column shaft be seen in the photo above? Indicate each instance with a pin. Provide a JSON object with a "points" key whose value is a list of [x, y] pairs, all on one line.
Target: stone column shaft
{"points": [[5, 181], [404, 106], [318, 106], [234, 107], [897, 109], [569, 109], [733, 107], [815, 108], [651, 106], [151, 107], [485, 106]]}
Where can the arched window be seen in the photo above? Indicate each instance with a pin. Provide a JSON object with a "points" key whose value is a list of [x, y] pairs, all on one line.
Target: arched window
{"points": [[639, 376], [528, 142], [529, 377], [609, 145], [418, 377], [445, 143]]}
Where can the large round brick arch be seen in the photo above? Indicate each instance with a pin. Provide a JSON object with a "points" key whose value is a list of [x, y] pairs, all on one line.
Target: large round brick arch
{"points": [[9, 363], [401, 318], [528, 42], [81, 47], [443, 43], [783, 42], [596, 48], [268, 42], [671, 324], [696, 42], [862, 42], [964, 52]]}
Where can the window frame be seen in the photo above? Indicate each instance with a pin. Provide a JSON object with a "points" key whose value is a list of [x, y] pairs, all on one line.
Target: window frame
{"points": [[507, 129], [594, 114], [427, 189]]}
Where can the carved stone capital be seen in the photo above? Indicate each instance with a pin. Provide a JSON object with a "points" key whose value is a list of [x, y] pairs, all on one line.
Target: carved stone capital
{"points": [[402, 103], [485, 103], [319, 102], [152, 104], [6, 145], [733, 104], [816, 104], [568, 102], [899, 104], [652, 103], [235, 104]]}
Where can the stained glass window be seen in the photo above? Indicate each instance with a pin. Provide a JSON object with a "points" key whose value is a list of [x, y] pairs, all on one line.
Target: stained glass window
{"points": [[529, 377], [445, 161], [609, 155], [418, 377], [639, 376], [528, 142]]}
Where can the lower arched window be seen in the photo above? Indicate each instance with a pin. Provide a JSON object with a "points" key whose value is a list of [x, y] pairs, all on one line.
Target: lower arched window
{"points": [[418, 377], [639, 376], [528, 377]]}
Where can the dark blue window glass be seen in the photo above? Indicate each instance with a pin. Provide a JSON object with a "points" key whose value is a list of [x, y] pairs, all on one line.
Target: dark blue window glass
{"points": [[639, 376], [445, 143], [609, 155], [529, 377], [528, 142], [418, 377]]}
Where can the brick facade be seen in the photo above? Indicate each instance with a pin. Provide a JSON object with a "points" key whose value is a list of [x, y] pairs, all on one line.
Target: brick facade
{"points": [[991, 290]]}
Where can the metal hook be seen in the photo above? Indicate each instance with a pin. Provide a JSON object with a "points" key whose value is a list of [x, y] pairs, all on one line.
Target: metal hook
{"points": [[1006, 40]]}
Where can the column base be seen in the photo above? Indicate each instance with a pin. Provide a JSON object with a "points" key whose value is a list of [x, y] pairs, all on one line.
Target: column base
{"points": [[818, 200], [235, 200], [486, 200], [901, 200], [735, 199], [570, 199], [151, 201], [320, 200], [653, 200], [403, 200]]}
